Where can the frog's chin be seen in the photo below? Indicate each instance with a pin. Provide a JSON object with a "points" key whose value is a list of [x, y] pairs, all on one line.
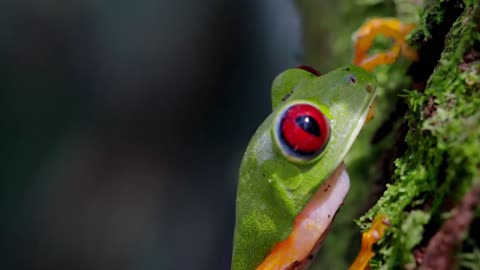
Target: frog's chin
{"points": [[311, 225]]}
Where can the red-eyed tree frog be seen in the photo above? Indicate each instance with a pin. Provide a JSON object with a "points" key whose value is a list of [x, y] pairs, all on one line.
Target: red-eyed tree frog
{"points": [[292, 179]]}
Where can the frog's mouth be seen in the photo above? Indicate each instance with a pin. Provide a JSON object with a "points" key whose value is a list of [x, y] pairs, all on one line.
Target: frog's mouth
{"points": [[311, 225]]}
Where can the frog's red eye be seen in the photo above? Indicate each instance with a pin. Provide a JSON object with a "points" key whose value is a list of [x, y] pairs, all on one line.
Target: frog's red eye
{"points": [[302, 131]]}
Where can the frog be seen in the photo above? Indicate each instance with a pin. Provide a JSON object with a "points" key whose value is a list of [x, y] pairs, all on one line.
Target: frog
{"points": [[292, 178]]}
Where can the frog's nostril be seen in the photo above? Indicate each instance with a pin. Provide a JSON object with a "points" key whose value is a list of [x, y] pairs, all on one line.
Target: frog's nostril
{"points": [[351, 79], [369, 88]]}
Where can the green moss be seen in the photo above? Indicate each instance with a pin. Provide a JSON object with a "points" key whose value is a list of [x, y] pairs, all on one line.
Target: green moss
{"points": [[443, 141], [470, 260]]}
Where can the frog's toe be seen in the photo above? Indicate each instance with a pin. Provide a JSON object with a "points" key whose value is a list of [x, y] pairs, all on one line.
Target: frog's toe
{"points": [[379, 224], [389, 27]]}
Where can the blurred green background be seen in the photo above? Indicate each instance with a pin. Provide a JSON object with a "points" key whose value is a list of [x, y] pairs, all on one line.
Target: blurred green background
{"points": [[124, 123]]}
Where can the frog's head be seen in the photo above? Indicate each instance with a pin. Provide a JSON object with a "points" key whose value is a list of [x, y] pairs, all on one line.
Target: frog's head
{"points": [[312, 112], [295, 154]]}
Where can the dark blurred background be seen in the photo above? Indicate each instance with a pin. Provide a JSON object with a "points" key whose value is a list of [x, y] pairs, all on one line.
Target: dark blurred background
{"points": [[123, 126]]}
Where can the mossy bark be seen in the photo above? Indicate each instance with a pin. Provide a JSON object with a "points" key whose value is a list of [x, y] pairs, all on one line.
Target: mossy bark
{"points": [[425, 154]]}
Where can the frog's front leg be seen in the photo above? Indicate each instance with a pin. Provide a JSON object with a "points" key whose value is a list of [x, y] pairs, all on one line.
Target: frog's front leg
{"points": [[389, 27]]}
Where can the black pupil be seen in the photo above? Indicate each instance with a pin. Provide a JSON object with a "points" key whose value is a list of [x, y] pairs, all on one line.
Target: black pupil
{"points": [[309, 124]]}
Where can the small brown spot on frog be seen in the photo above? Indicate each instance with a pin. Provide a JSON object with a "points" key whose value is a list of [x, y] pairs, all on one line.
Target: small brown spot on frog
{"points": [[371, 112], [287, 96], [368, 87], [310, 256], [294, 265], [351, 79]]}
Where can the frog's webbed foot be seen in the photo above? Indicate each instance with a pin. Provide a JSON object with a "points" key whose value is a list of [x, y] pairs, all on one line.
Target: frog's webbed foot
{"points": [[388, 27], [369, 238]]}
